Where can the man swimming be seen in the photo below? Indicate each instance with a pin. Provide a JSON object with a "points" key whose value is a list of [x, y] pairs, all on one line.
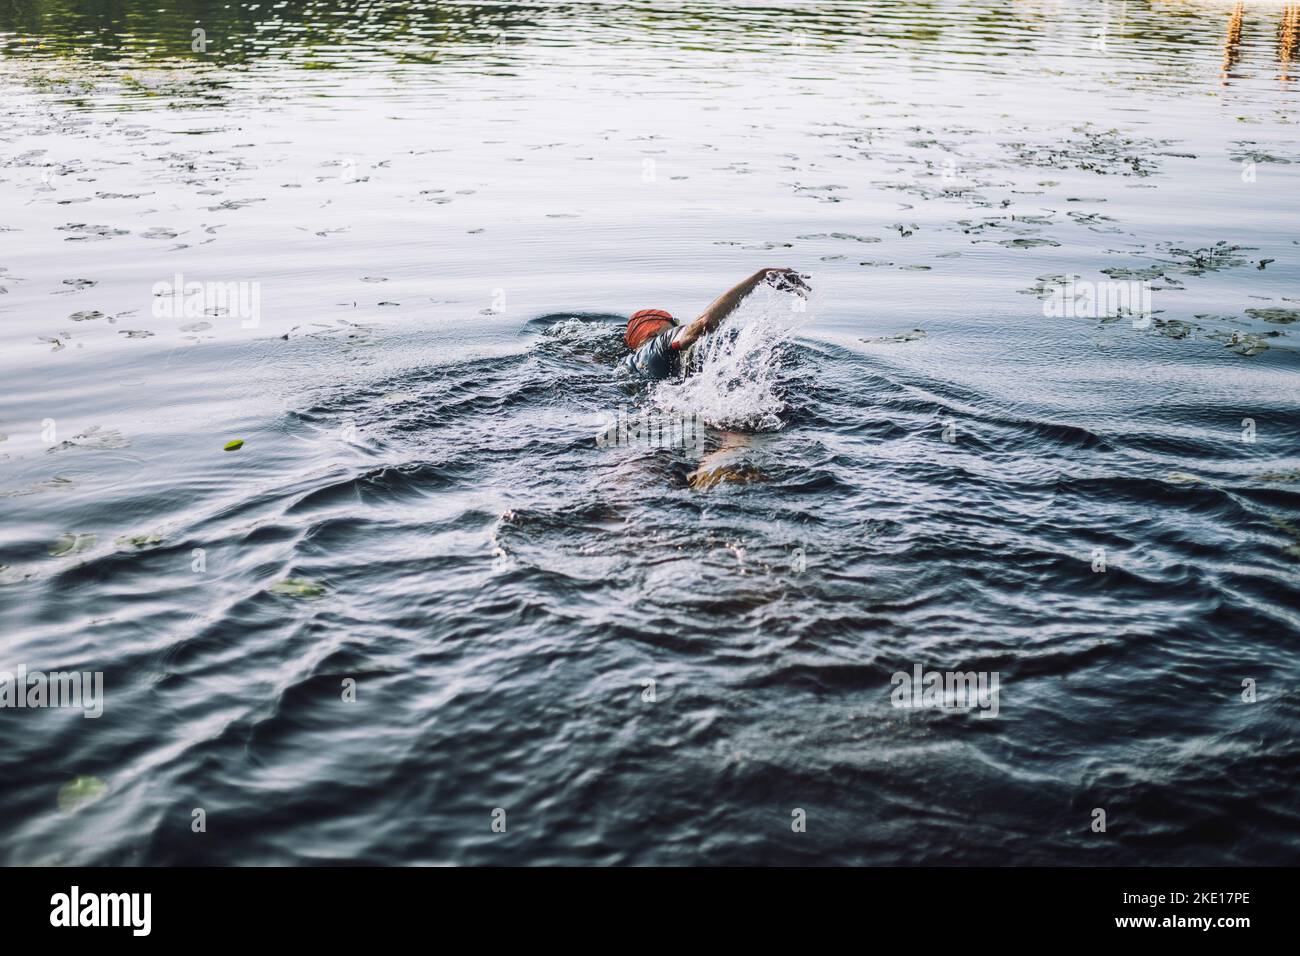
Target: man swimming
{"points": [[659, 344]]}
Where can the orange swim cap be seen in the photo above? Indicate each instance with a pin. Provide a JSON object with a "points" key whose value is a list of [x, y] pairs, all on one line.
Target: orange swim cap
{"points": [[643, 325]]}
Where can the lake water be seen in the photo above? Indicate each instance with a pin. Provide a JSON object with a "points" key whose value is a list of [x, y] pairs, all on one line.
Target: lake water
{"points": [[422, 598]]}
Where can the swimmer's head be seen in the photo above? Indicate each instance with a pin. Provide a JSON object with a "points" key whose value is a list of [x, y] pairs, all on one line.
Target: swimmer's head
{"points": [[644, 325]]}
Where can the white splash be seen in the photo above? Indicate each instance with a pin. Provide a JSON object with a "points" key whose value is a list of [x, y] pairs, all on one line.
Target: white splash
{"points": [[578, 331], [734, 370]]}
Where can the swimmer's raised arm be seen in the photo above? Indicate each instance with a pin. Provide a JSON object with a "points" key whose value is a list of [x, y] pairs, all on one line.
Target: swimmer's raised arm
{"points": [[727, 303]]}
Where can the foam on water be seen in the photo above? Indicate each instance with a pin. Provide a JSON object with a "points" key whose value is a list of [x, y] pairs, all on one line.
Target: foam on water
{"points": [[735, 370]]}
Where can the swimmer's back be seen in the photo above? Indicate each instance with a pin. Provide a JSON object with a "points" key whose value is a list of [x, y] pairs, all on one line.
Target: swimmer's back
{"points": [[657, 358]]}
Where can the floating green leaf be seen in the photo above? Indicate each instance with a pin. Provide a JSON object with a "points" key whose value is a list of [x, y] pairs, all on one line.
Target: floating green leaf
{"points": [[72, 544], [234, 445], [298, 588], [137, 540], [80, 792]]}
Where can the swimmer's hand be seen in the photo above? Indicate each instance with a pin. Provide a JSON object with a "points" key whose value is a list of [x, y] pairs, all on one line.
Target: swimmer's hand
{"points": [[786, 280]]}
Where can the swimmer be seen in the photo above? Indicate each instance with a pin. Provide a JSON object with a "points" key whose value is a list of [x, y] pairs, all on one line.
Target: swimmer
{"points": [[659, 344]]}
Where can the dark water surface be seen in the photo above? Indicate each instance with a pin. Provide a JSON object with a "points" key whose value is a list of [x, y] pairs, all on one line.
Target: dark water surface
{"points": [[445, 209]]}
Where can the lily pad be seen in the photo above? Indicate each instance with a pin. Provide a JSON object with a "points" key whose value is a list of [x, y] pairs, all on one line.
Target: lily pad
{"points": [[841, 235], [1276, 316], [1248, 344], [1174, 328], [298, 588], [80, 792], [1105, 152], [1195, 262], [1027, 243]]}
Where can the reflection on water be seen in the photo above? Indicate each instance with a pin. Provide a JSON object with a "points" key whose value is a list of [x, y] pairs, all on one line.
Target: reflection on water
{"points": [[1288, 34], [979, 451], [320, 35], [1232, 44]]}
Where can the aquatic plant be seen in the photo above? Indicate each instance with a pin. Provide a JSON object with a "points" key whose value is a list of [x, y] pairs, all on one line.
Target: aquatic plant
{"points": [[298, 588], [80, 792]]}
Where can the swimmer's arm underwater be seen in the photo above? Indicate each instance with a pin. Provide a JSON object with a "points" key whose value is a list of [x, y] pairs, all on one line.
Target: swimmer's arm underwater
{"points": [[730, 300]]}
